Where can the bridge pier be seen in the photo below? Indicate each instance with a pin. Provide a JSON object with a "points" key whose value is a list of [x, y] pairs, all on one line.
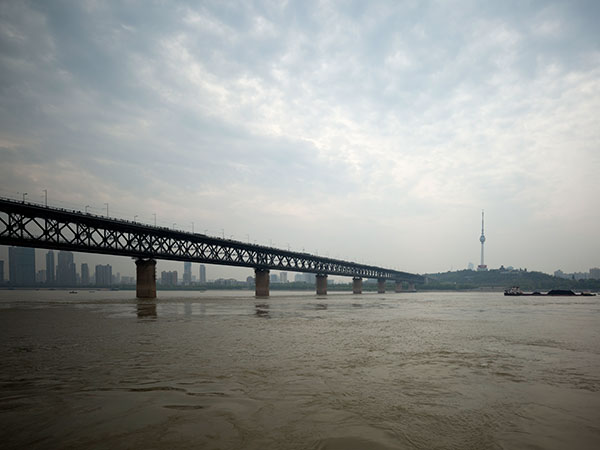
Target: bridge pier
{"points": [[381, 286], [357, 285], [261, 280], [398, 286], [411, 287], [321, 283], [145, 284]]}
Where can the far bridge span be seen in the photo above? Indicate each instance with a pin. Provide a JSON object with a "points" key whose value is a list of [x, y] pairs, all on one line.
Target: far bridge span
{"points": [[31, 225]]}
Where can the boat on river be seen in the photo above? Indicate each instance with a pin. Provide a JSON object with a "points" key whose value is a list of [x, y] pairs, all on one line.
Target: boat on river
{"points": [[516, 291]]}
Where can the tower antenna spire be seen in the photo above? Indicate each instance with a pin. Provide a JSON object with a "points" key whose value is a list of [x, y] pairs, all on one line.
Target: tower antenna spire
{"points": [[482, 267]]}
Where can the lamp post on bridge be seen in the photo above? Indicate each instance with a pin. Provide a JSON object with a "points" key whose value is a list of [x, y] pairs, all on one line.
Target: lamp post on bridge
{"points": [[154, 214], [106, 209], [24, 194], [46, 198], [86, 208]]}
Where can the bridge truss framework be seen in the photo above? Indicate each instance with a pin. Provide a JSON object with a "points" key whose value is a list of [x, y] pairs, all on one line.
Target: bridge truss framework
{"points": [[30, 225]]}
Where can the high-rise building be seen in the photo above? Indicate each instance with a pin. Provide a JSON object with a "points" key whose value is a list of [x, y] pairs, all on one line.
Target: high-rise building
{"points": [[21, 266], [187, 273], [85, 274], [1, 272], [202, 274], [65, 269], [103, 275], [274, 278], [168, 278], [482, 267], [595, 273], [50, 268], [40, 276]]}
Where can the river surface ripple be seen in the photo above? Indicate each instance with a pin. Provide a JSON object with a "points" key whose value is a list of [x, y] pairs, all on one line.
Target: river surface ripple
{"points": [[223, 370]]}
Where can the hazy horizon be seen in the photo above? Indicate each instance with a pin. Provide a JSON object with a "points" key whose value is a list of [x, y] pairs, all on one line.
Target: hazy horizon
{"points": [[373, 132]]}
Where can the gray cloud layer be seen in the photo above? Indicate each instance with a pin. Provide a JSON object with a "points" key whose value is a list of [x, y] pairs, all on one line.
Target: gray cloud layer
{"points": [[368, 130]]}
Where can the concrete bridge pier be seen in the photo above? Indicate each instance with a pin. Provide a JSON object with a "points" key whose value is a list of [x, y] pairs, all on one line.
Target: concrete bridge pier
{"points": [[411, 287], [261, 280], [145, 285], [381, 286], [357, 285], [321, 284], [398, 286]]}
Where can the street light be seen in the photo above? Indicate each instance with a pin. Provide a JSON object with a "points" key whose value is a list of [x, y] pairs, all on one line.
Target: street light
{"points": [[192, 227], [86, 207], [24, 194], [134, 218], [154, 214], [46, 198], [106, 209], [174, 225]]}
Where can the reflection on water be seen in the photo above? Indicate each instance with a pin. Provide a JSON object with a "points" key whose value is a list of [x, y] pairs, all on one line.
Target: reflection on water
{"points": [[395, 371], [146, 310], [262, 310]]}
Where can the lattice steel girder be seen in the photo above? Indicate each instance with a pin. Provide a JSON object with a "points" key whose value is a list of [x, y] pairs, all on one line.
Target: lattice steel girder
{"points": [[30, 225]]}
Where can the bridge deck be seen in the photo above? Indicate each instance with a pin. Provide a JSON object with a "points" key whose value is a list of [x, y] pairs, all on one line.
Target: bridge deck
{"points": [[30, 225]]}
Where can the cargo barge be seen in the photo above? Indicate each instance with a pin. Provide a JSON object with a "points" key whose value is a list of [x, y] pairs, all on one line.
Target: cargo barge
{"points": [[516, 291]]}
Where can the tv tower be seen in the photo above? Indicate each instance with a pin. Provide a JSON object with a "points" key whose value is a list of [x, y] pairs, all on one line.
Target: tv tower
{"points": [[482, 267]]}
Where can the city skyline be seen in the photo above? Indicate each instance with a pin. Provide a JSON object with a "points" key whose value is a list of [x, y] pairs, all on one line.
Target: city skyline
{"points": [[71, 261], [370, 132]]}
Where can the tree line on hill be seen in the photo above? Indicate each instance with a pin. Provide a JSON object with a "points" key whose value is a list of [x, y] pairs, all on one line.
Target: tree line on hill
{"points": [[502, 279]]}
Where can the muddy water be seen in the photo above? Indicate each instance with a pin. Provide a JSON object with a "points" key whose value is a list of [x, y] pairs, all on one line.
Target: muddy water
{"points": [[227, 371]]}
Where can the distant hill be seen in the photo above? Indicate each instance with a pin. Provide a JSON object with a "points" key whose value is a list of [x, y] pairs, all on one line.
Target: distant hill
{"points": [[502, 279]]}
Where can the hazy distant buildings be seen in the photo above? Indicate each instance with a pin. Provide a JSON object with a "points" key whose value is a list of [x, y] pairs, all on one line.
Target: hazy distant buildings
{"points": [[594, 274], [65, 269], [50, 268], [274, 278], [21, 266], [40, 276], [168, 278], [103, 275], [202, 274], [127, 280], [283, 277], [85, 274], [305, 278], [187, 273]]}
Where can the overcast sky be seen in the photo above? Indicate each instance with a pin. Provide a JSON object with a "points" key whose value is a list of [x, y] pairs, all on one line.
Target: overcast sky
{"points": [[370, 131]]}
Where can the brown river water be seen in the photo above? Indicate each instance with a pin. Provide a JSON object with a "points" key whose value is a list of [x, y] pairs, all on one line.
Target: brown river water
{"points": [[223, 370]]}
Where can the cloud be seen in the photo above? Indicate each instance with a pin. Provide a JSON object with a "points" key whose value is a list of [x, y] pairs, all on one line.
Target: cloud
{"points": [[321, 121]]}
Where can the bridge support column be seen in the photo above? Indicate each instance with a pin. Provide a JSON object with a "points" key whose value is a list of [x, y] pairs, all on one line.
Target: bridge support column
{"points": [[411, 287], [261, 277], [398, 286], [321, 284], [357, 285], [145, 284], [381, 286]]}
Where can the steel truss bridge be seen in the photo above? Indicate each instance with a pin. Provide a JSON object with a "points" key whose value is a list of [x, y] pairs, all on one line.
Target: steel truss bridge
{"points": [[31, 225]]}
